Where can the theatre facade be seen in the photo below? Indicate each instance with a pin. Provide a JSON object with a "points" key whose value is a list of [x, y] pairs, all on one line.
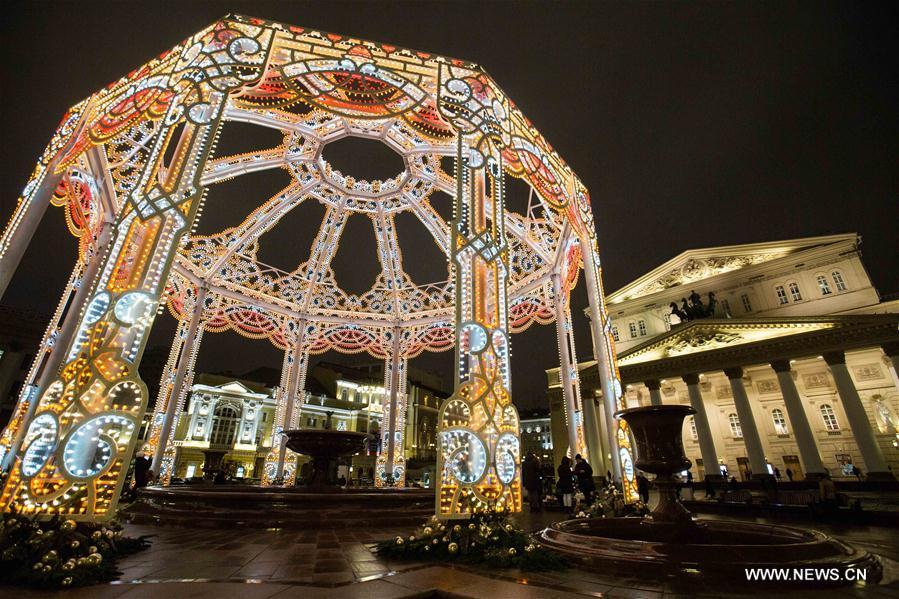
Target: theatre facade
{"points": [[785, 350]]}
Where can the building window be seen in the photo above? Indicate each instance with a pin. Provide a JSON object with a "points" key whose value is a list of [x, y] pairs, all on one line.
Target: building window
{"points": [[781, 295], [838, 280], [794, 292], [830, 419], [642, 325], [780, 423], [632, 326], [726, 306], [667, 317], [735, 429], [224, 425], [615, 335], [823, 285], [747, 305], [693, 434]]}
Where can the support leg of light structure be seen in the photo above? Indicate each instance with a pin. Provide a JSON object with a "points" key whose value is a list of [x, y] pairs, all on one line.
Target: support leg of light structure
{"points": [[58, 336], [278, 465], [391, 463], [569, 382], [478, 458], [163, 452], [604, 353], [99, 398]]}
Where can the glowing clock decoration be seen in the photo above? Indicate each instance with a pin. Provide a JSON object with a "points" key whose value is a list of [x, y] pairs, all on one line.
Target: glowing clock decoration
{"points": [[41, 445]]}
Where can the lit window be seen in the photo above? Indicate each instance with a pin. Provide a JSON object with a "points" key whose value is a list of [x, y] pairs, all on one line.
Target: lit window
{"points": [[830, 419], [632, 326], [780, 422], [726, 305], [794, 292], [693, 434], [735, 429], [615, 334], [781, 295], [838, 280], [747, 305], [642, 325], [823, 285]]}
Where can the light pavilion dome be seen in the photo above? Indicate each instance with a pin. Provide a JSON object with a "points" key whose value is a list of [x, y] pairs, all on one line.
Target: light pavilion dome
{"points": [[132, 166]]}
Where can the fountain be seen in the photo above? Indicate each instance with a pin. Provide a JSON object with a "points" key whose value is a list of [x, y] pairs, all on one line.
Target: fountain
{"points": [[324, 446], [669, 543]]}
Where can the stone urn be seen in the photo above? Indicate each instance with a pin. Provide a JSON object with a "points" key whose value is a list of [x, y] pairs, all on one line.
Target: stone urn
{"points": [[657, 432]]}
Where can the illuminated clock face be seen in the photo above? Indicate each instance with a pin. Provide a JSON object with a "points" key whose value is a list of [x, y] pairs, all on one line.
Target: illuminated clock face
{"points": [[42, 433], [507, 452], [627, 465], [476, 335], [464, 455], [95, 443]]}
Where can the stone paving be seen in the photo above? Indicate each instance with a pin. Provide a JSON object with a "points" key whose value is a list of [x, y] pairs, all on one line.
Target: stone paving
{"points": [[340, 563]]}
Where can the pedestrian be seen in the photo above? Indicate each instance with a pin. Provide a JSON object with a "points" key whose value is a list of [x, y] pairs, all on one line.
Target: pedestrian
{"points": [[565, 485], [608, 477], [690, 485], [828, 493], [709, 488], [856, 472], [530, 478], [643, 488], [777, 473], [584, 474], [142, 471], [789, 475]]}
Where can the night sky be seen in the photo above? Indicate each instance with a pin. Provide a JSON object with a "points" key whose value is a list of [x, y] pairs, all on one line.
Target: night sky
{"points": [[692, 125]]}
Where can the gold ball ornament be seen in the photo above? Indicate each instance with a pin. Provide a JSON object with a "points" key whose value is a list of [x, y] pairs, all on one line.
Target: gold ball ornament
{"points": [[69, 566], [92, 549], [68, 526], [428, 530], [75, 544], [96, 535], [411, 538], [513, 551], [66, 581], [399, 541], [453, 547], [457, 528], [529, 548]]}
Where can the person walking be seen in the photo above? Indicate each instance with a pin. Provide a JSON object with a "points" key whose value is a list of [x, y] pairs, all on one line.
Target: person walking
{"points": [[530, 478], [643, 488], [790, 475], [565, 485], [584, 474]]}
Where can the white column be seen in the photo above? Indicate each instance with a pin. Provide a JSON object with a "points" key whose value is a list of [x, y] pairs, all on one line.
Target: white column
{"points": [[751, 438], [802, 431], [571, 415], [703, 430], [858, 418], [391, 464], [603, 354], [294, 394], [185, 362], [655, 391]]}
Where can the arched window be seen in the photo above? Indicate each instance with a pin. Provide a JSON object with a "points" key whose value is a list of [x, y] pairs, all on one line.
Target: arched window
{"points": [[615, 335], [781, 295], [735, 429], [829, 417], [632, 327], [693, 434], [794, 292], [224, 424], [823, 285], [838, 280], [780, 422]]}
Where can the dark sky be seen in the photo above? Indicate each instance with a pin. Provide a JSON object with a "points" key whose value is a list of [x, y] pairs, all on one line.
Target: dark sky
{"points": [[692, 124]]}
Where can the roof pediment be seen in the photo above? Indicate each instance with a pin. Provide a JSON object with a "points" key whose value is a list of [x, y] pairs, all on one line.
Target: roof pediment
{"points": [[712, 334], [699, 264]]}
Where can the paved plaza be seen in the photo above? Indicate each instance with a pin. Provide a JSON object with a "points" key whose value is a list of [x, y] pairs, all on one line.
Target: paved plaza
{"points": [[257, 564]]}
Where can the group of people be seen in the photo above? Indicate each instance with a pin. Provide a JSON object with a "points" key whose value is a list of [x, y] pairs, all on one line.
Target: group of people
{"points": [[569, 482]]}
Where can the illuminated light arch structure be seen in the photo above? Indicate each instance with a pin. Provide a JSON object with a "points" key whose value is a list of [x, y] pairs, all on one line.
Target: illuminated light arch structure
{"points": [[130, 166]]}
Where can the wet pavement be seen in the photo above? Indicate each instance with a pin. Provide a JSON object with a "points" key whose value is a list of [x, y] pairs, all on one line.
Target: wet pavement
{"points": [[340, 563]]}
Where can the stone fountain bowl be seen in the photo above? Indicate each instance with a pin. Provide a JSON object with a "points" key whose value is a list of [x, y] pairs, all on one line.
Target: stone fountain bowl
{"points": [[325, 443], [712, 550]]}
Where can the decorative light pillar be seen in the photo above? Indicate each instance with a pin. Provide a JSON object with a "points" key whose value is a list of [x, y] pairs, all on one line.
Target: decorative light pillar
{"points": [[390, 466], [569, 381], [747, 423], [170, 402], [655, 391], [478, 458], [862, 430], [703, 430], [802, 431]]}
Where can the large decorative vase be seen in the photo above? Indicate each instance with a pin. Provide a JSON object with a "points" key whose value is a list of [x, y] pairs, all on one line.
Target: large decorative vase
{"points": [[324, 447], [657, 433]]}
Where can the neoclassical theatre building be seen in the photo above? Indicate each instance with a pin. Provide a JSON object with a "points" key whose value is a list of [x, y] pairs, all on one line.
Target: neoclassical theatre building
{"points": [[790, 363]]}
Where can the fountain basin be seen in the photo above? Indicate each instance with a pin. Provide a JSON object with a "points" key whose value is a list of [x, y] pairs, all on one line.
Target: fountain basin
{"points": [[716, 550], [324, 446]]}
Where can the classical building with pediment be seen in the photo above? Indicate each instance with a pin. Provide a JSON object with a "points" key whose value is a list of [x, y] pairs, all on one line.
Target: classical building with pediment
{"points": [[785, 349]]}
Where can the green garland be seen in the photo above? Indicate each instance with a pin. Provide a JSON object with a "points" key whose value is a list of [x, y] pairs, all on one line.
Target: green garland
{"points": [[60, 553], [610, 503], [488, 538]]}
